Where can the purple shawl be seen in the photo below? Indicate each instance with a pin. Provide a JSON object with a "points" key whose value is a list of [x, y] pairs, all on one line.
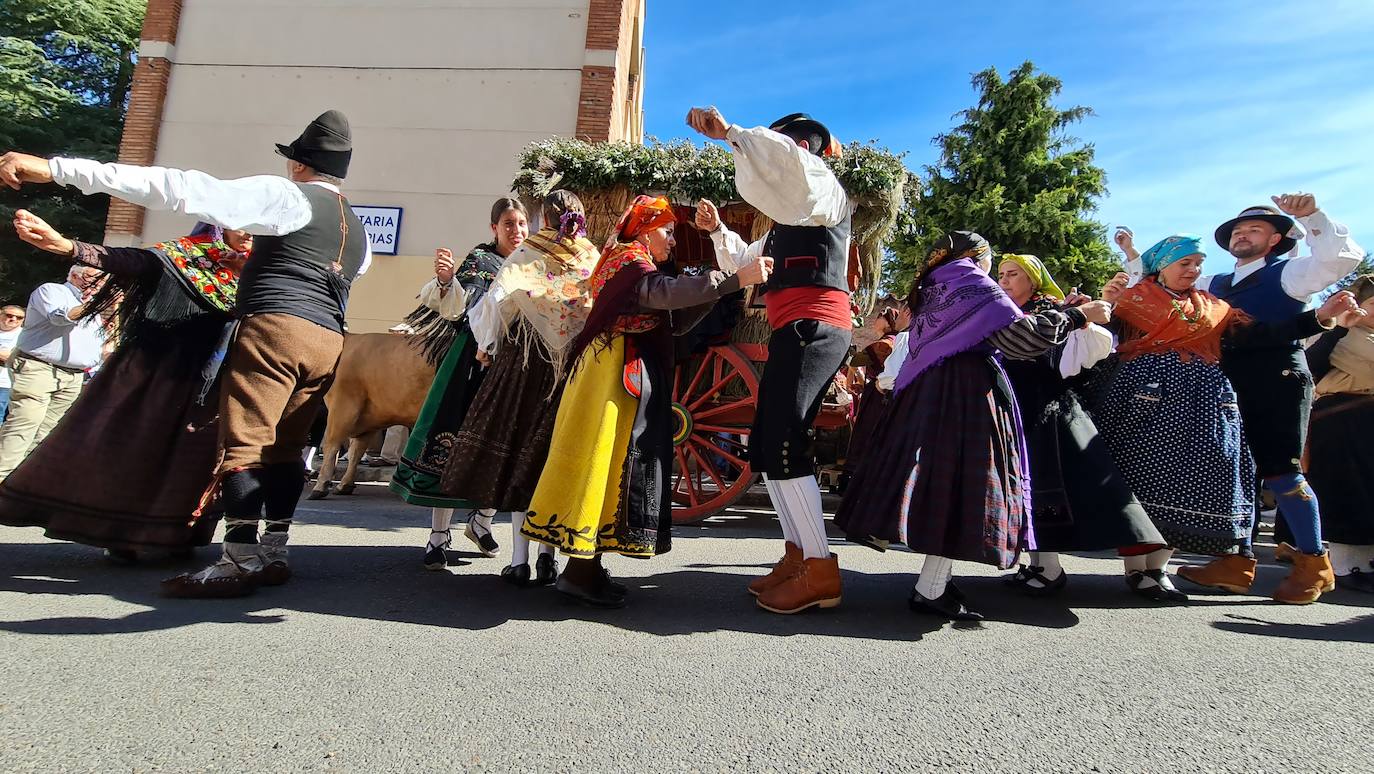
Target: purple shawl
{"points": [[958, 310]]}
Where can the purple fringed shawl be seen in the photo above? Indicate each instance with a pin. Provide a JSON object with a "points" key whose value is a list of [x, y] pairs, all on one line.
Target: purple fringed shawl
{"points": [[959, 309]]}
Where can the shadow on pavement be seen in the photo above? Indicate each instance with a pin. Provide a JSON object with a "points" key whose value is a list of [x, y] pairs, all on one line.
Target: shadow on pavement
{"points": [[1357, 629], [386, 583]]}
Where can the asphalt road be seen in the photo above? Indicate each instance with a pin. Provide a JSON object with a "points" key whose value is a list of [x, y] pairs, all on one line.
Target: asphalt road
{"points": [[365, 662]]}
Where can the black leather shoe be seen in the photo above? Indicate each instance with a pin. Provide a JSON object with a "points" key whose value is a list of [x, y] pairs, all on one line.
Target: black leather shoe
{"points": [[599, 595], [545, 570], [516, 574], [1162, 590], [1021, 581], [948, 605], [1357, 580], [618, 589]]}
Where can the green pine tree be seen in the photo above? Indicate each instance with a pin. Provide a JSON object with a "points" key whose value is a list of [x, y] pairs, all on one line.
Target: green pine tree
{"points": [[1011, 173], [66, 69]]}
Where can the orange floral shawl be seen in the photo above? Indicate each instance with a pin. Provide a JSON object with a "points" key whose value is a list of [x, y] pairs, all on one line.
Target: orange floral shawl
{"points": [[1156, 321]]}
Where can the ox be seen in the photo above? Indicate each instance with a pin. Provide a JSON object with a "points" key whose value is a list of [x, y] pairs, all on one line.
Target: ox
{"points": [[381, 381]]}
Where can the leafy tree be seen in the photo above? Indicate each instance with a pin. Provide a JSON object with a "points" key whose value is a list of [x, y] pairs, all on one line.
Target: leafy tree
{"points": [[1011, 173], [66, 69]]}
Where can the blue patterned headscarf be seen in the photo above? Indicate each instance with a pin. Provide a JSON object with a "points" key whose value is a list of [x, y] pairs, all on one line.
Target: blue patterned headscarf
{"points": [[1170, 250]]}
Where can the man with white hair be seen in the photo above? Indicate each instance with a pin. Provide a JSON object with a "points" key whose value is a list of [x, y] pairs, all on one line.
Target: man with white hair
{"points": [[49, 362]]}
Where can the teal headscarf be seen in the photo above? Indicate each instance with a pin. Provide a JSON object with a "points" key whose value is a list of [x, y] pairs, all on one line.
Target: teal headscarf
{"points": [[1171, 250]]}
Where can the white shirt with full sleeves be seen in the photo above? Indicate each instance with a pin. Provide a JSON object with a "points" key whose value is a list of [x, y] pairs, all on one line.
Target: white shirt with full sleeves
{"points": [[266, 205], [785, 182]]}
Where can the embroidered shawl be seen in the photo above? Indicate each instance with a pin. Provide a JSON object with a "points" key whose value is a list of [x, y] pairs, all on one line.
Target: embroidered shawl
{"points": [[1156, 321], [546, 282], [959, 308]]}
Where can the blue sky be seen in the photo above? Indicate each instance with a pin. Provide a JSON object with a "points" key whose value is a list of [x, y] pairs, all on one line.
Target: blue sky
{"points": [[1202, 108]]}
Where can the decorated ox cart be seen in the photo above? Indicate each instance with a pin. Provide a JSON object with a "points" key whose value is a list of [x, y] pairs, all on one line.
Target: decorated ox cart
{"points": [[715, 386]]}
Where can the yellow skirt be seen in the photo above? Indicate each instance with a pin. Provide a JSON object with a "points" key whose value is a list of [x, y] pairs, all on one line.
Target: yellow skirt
{"points": [[578, 500]]}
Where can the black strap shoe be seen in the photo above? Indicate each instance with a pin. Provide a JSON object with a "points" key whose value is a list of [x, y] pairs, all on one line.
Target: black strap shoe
{"points": [[1162, 590], [435, 556], [1021, 581], [481, 537], [516, 574], [948, 606], [545, 570]]}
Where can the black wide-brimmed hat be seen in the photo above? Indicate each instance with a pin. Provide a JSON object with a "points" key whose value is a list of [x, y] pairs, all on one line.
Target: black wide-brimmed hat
{"points": [[802, 123], [325, 146], [1271, 215]]}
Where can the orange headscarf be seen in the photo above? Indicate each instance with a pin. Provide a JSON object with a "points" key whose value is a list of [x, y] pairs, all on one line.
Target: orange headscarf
{"points": [[643, 215], [1192, 325]]}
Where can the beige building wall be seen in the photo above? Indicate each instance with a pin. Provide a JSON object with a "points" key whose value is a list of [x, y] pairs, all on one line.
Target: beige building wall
{"points": [[441, 95]]}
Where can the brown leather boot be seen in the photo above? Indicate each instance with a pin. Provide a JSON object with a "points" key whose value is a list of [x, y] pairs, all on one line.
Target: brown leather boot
{"points": [[791, 557], [1284, 553], [812, 583], [1310, 576], [1233, 573]]}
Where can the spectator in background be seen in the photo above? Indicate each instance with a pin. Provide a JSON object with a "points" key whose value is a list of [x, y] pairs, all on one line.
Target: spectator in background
{"points": [[51, 355], [11, 320]]}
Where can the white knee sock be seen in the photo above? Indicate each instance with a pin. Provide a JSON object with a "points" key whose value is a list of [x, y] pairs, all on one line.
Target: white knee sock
{"points": [[1048, 561], [520, 545], [545, 548], [935, 575], [440, 519], [1158, 560], [788, 532], [482, 518], [801, 500], [1346, 558], [1134, 563], [309, 457]]}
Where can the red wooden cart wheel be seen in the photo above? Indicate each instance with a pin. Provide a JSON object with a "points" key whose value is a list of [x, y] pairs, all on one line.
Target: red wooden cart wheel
{"points": [[714, 395]]}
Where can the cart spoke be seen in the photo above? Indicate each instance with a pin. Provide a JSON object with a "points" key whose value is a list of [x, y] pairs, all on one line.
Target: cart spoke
{"points": [[714, 449], [686, 476], [714, 411], [705, 465]]}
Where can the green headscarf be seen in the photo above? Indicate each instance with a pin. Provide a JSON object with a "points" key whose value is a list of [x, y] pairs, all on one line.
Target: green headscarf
{"points": [[1039, 275]]}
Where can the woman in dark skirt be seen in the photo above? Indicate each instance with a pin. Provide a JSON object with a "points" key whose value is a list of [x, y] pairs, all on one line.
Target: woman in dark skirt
{"points": [[1079, 499], [441, 331], [1340, 442], [947, 472], [872, 401], [126, 467], [529, 316]]}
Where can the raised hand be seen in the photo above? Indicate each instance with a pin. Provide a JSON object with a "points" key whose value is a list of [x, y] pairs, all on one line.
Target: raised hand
{"points": [[1125, 240], [1111, 292], [708, 121], [707, 217], [443, 265], [37, 232], [19, 168], [1298, 205]]}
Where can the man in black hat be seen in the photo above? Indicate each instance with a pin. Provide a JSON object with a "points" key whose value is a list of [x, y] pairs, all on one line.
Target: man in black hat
{"points": [[1273, 386], [291, 301], [781, 172]]}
